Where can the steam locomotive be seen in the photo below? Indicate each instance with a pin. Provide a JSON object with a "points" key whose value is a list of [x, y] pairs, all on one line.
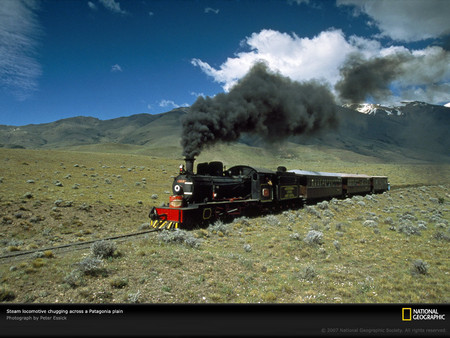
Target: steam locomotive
{"points": [[213, 193]]}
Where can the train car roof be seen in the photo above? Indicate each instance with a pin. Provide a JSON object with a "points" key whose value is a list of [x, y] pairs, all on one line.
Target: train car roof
{"points": [[355, 175], [313, 173], [341, 175]]}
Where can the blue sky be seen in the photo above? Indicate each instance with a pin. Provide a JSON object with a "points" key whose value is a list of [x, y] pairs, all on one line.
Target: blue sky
{"points": [[113, 58]]}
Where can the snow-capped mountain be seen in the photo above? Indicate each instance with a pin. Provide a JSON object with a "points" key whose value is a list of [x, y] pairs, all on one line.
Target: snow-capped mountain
{"points": [[374, 109]]}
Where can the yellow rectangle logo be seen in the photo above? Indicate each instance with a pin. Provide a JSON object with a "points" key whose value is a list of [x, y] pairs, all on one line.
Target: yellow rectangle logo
{"points": [[406, 314]]}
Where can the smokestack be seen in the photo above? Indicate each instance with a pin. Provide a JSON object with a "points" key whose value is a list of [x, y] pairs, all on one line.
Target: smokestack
{"points": [[263, 103], [189, 165]]}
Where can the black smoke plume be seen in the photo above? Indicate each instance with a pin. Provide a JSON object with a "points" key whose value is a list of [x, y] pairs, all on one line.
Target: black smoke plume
{"points": [[262, 103], [362, 78]]}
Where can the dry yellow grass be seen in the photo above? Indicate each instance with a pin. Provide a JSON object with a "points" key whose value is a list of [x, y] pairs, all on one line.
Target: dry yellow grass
{"points": [[249, 261]]}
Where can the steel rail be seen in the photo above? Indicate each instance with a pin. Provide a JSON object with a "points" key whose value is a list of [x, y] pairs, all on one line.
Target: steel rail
{"points": [[75, 246]]}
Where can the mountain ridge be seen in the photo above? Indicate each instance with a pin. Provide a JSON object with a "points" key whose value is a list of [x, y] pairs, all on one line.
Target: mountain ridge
{"points": [[418, 131]]}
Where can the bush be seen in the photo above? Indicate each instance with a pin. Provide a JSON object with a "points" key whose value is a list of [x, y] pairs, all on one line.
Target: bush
{"points": [[419, 267], [441, 236], [308, 273], [272, 220], [408, 228], [313, 211], [74, 278], [119, 283], [134, 297], [291, 217], [90, 266], [323, 205], [6, 295], [314, 237], [218, 227], [342, 226], [370, 223], [295, 236], [337, 245], [179, 236], [243, 220], [103, 249]]}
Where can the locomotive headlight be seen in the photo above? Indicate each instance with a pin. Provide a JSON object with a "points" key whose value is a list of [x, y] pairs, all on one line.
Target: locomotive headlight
{"points": [[177, 188]]}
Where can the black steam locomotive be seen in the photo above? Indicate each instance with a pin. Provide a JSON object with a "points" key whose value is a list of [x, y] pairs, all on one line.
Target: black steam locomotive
{"points": [[214, 193]]}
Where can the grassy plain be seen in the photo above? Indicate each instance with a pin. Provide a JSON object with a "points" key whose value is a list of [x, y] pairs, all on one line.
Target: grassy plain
{"points": [[388, 248]]}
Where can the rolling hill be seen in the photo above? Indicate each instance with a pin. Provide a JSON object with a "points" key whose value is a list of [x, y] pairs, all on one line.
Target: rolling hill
{"points": [[414, 132]]}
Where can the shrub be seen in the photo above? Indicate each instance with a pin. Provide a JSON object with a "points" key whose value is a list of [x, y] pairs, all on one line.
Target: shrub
{"points": [[90, 266], [389, 221], [323, 205], [341, 226], [313, 211], [295, 236], [408, 228], [119, 283], [134, 297], [370, 223], [103, 249], [314, 237], [179, 236], [291, 217], [243, 220], [419, 267], [38, 263], [308, 273], [247, 247], [6, 295], [48, 254], [74, 278], [337, 245], [218, 227], [439, 235], [366, 285], [272, 220], [328, 213]]}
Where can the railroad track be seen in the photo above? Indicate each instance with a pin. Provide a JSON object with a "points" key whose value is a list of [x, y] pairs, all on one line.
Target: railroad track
{"points": [[21, 255]]}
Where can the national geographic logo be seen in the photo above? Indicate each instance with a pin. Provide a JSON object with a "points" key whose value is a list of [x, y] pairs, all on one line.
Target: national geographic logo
{"points": [[413, 314]]}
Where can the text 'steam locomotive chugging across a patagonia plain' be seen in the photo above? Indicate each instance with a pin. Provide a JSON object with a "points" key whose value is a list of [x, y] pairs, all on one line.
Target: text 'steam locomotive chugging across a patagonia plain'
{"points": [[216, 194]]}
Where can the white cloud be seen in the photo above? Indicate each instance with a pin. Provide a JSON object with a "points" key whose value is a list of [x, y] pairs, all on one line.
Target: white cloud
{"points": [[298, 58], [298, 2], [411, 20], [19, 38], [116, 68], [425, 73], [171, 104], [211, 10], [197, 94], [113, 6], [92, 6]]}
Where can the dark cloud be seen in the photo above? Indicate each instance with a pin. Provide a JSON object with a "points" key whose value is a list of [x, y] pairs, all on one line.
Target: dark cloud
{"points": [[262, 103]]}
